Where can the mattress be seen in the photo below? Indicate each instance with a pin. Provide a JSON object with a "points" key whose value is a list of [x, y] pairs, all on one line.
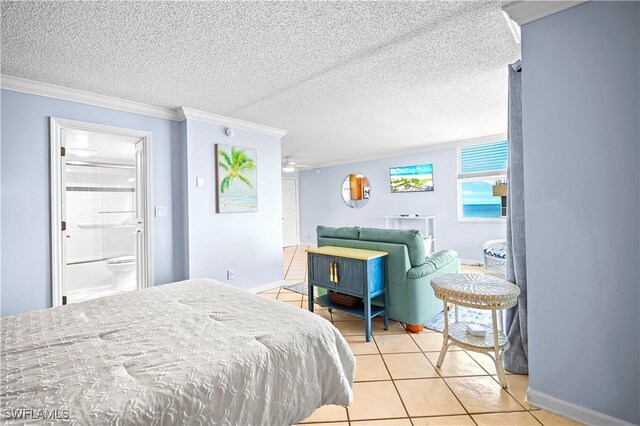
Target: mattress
{"points": [[191, 352]]}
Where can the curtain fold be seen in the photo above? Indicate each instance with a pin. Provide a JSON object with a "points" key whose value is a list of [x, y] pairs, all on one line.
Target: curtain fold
{"points": [[516, 358]]}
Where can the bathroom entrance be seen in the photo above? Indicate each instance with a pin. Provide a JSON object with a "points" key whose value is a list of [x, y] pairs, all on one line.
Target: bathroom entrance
{"points": [[100, 210]]}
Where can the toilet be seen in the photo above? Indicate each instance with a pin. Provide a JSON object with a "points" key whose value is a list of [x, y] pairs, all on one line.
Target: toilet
{"points": [[123, 269]]}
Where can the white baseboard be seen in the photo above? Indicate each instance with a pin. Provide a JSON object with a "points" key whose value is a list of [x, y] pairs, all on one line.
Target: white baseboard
{"points": [[572, 411], [265, 287], [471, 262]]}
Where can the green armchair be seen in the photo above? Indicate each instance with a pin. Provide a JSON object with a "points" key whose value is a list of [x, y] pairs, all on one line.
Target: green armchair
{"points": [[411, 298]]}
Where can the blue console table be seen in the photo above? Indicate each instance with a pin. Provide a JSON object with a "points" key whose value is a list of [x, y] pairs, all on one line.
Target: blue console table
{"points": [[357, 272]]}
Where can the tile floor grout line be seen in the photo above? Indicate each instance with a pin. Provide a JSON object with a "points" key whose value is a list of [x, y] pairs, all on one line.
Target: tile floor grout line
{"points": [[415, 417], [449, 387], [391, 377], [537, 419], [293, 256]]}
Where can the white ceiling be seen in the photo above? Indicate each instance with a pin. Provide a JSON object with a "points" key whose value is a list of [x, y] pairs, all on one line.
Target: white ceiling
{"points": [[349, 80]]}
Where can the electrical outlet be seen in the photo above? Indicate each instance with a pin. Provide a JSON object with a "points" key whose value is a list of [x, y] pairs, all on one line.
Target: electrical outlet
{"points": [[161, 211], [230, 274]]}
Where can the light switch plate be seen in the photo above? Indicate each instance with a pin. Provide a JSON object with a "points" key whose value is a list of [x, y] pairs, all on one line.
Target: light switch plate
{"points": [[161, 211], [199, 182]]}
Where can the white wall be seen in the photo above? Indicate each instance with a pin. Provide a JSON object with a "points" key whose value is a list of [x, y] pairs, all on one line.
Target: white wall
{"points": [[321, 202], [581, 108], [250, 244]]}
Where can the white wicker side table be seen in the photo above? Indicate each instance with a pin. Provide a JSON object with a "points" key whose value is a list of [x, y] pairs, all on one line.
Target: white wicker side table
{"points": [[476, 291]]}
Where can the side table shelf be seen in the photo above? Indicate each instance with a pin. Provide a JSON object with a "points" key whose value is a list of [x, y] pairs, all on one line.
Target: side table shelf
{"points": [[458, 333], [359, 312]]}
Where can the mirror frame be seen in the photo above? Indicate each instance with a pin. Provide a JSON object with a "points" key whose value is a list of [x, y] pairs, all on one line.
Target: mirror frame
{"points": [[364, 192]]}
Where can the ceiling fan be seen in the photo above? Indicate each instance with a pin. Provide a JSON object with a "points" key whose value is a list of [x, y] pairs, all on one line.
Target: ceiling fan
{"points": [[290, 166]]}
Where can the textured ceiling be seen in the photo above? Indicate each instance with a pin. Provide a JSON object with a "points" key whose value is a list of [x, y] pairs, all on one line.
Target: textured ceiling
{"points": [[347, 79]]}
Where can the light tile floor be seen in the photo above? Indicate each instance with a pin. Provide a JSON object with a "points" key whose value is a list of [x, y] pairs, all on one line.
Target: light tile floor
{"points": [[397, 382]]}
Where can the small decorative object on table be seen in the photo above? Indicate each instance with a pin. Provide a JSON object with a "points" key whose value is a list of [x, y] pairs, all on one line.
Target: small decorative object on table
{"points": [[476, 330], [476, 291], [349, 273]]}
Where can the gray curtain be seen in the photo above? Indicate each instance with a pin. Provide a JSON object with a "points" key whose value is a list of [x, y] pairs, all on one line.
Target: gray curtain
{"points": [[516, 358]]}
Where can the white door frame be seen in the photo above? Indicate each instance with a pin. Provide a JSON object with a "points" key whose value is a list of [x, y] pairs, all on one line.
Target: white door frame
{"points": [[297, 192], [58, 215]]}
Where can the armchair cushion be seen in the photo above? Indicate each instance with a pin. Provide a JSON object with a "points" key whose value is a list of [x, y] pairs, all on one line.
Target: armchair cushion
{"points": [[495, 248], [345, 233], [432, 264], [409, 237]]}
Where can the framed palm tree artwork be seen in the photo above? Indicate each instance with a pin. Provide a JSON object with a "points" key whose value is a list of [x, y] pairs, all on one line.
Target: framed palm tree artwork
{"points": [[236, 179]]}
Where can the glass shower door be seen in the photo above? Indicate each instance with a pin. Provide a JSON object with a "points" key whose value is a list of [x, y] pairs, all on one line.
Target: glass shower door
{"points": [[100, 205]]}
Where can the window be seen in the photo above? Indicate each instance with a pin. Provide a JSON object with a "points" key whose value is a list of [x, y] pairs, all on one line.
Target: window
{"points": [[482, 182]]}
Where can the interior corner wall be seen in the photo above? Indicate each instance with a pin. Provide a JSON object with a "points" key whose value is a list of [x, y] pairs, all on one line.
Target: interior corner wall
{"points": [[581, 109], [250, 244], [180, 192], [321, 202], [26, 242]]}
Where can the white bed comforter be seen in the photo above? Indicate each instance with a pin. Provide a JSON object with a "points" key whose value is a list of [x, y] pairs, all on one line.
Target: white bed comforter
{"points": [[192, 352]]}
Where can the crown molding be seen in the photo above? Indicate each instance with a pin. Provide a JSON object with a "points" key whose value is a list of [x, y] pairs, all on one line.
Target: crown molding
{"points": [[32, 87], [523, 12], [74, 95], [429, 148], [221, 120]]}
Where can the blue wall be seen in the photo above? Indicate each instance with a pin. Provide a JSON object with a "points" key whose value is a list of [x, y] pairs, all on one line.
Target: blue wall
{"points": [[581, 108], [26, 255], [321, 202], [192, 241], [250, 244]]}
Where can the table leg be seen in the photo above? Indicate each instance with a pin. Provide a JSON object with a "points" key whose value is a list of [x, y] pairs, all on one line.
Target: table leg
{"points": [[386, 295], [445, 336], [310, 297], [386, 310], [496, 348], [367, 318]]}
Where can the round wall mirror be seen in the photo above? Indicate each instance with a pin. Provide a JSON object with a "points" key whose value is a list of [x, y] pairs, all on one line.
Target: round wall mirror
{"points": [[356, 190]]}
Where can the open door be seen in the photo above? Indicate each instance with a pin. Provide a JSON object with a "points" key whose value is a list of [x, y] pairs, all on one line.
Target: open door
{"points": [[289, 212], [100, 211], [140, 212]]}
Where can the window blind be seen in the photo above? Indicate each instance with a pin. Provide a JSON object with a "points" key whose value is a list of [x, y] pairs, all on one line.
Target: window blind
{"points": [[483, 158]]}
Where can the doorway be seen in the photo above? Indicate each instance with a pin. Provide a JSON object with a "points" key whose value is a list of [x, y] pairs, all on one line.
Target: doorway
{"points": [[290, 222], [100, 210]]}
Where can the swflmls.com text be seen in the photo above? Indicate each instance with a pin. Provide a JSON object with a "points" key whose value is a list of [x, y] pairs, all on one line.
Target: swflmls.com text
{"points": [[34, 414]]}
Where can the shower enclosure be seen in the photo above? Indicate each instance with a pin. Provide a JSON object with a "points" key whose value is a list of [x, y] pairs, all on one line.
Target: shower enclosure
{"points": [[100, 208]]}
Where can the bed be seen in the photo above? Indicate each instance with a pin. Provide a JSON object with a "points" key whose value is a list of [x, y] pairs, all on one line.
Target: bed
{"points": [[191, 352]]}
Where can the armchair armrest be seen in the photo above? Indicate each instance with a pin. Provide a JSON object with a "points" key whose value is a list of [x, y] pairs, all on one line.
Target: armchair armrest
{"points": [[432, 264]]}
